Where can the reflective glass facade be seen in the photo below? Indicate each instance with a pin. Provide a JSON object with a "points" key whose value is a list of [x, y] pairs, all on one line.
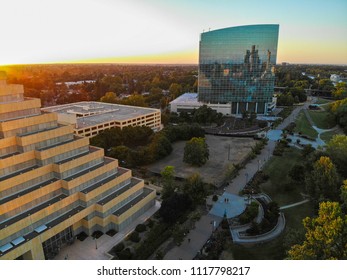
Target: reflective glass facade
{"points": [[236, 67]]}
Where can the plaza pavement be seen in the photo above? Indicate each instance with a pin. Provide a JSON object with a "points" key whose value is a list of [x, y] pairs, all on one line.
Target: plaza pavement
{"points": [[91, 249]]}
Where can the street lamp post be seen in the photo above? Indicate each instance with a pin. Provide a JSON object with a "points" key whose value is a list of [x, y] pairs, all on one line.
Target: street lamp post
{"points": [[96, 243]]}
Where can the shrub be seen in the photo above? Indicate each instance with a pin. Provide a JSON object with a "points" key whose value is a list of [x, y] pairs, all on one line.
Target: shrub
{"points": [[125, 254], [215, 198], [140, 228], [250, 213], [119, 247], [150, 223], [134, 237]]}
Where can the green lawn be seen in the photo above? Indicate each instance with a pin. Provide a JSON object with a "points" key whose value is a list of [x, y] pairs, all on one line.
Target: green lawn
{"points": [[279, 187], [274, 250], [303, 126], [322, 119], [281, 190], [322, 101], [326, 136], [295, 215]]}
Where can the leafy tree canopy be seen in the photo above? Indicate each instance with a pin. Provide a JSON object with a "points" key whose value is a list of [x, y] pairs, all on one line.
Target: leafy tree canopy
{"points": [[326, 235]]}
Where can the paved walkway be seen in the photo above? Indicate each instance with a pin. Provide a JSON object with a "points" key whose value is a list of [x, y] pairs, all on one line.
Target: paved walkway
{"points": [[294, 204], [240, 238], [203, 228], [91, 249]]}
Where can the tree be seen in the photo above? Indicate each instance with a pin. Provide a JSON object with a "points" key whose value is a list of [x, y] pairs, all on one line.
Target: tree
{"points": [[196, 151], [326, 235], [340, 90], [195, 188], [134, 100], [337, 150], [160, 146], [109, 97], [175, 90], [168, 176], [308, 149], [297, 173], [121, 153], [174, 207], [344, 196], [323, 182]]}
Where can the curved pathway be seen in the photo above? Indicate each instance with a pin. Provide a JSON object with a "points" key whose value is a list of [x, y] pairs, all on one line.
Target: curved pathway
{"points": [[294, 204], [197, 237], [239, 238]]}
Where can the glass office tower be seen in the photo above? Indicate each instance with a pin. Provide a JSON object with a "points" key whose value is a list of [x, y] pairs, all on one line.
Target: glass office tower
{"points": [[236, 67]]}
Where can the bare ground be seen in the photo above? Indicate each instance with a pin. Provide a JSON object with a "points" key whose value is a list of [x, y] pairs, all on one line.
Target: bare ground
{"points": [[221, 148]]}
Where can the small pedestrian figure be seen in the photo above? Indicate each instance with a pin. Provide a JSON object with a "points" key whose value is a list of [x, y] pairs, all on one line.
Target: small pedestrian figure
{"points": [[188, 240]]}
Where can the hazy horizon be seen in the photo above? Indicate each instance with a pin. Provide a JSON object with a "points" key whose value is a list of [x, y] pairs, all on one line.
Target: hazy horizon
{"points": [[163, 32]]}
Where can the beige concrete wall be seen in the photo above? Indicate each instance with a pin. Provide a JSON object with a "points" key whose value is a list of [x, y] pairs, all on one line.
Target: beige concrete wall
{"points": [[11, 89], [92, 174], [16, 159], [26, 104], [105, 187], [20, 179], [42, 155], [24, 199], [60, 168], [25, 122], [118, 199], [43, 136]]}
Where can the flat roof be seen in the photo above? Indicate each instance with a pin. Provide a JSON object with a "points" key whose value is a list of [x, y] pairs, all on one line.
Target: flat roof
{"points": [[94, 113], [187, 97]]}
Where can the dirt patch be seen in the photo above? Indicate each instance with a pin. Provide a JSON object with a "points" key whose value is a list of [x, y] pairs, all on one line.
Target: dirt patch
{"points": [[224, 151]]}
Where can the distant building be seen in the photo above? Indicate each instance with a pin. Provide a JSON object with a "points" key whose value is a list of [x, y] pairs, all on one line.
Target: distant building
{"points": [[236, 69], [53, 185], [91, 118]]}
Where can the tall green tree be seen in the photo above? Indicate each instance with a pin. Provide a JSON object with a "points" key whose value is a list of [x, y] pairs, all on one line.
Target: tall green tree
{"points": [[337, 150], [340, 90], [195, 188], [326, 235], [323, 182], [168, 181], [175, 90], [196, 151]]}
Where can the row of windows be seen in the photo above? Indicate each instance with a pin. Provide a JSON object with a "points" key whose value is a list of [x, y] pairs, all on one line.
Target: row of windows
{"points": [[19, 113], [17, 167], [47, 143], [63, 156], [107, 192], [92, 131], [30, 129], [115, 207], [79, 168], [26, 185], [29, 205], [92, 181], [11, 98], [46, 219]]}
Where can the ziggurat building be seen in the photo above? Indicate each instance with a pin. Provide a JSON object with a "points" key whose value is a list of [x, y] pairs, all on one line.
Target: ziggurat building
{"points": [[53, 185]]}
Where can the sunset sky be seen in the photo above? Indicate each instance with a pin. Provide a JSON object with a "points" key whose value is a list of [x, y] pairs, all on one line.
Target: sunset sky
{"points": [[163, 31]]}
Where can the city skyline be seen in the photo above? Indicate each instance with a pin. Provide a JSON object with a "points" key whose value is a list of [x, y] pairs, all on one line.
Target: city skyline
{"points": [[152, 31]]}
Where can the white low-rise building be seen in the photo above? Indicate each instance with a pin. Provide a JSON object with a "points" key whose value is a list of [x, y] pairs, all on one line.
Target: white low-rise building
{"points": [[187, 102], [90, 118]]}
